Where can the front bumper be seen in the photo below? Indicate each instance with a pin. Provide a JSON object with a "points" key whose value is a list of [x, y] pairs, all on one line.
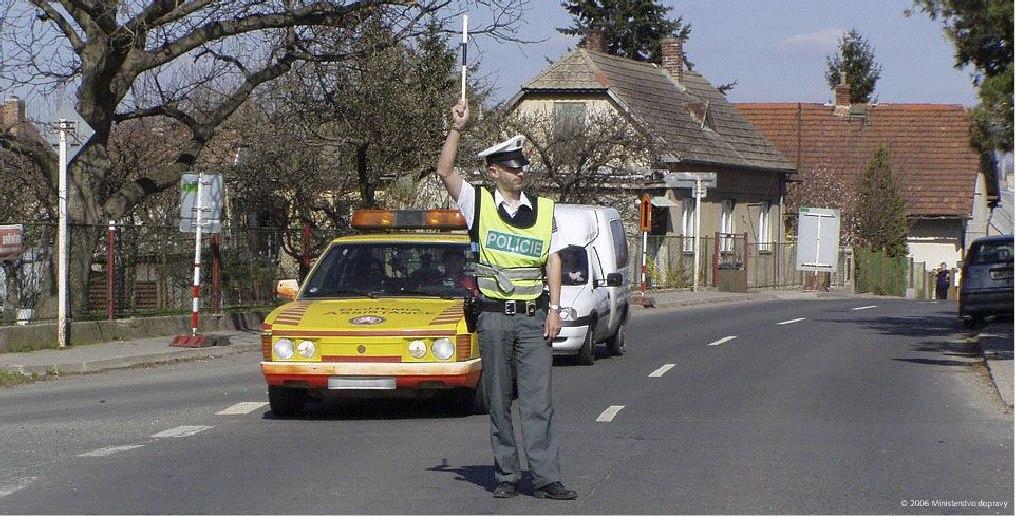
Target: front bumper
{"points": [[570, 340], [421, 375]]}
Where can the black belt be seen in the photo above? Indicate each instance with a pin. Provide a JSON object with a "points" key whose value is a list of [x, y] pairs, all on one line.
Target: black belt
{"points": [[513, 306]]}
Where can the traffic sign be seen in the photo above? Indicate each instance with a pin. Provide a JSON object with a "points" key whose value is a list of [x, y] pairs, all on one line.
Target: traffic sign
{"points": [[211, 202], [688, 179], [646, 220]]}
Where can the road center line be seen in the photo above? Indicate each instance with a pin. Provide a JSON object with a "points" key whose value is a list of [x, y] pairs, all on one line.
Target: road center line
{"points": [[728, 338], [865, 307], [608, 415], [792, 321], [18, 485], [180, 431], [110, 450], [659, 372], [242, 408]]}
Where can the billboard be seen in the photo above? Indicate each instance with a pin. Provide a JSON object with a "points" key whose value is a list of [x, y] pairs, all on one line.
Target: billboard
{"points": [[818, 239], [11, 236]]}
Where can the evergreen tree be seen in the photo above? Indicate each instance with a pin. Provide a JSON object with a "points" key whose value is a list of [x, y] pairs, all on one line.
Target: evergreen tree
{"points": [[982, 31], [881, 212], [632, 28], [856, 61]]}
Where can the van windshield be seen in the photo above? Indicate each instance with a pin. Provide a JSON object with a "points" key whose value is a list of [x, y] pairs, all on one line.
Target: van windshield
{"points": [[390, 269], [574, 265], [991, 252]]}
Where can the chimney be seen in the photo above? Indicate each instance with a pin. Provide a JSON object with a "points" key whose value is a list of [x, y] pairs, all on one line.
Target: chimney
{"points": [[13, 113], [842, 104], [672, 50], [596, 41]]}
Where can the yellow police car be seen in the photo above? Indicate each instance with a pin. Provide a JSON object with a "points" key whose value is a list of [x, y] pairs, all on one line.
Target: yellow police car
{"points": [[382, 312]]}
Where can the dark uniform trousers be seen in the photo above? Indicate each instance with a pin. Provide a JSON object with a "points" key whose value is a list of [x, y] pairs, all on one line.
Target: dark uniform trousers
{"points": [[516, 341]]}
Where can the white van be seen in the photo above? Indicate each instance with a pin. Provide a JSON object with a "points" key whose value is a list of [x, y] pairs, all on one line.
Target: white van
{"points": [[595, 281]]}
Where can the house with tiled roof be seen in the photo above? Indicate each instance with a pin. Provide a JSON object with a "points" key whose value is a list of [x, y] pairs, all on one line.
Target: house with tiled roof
{"points": [[696, 130], [949, 187]]}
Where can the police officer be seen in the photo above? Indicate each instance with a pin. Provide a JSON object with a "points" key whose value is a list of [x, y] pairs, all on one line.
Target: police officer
{"points": [[518, 320]]}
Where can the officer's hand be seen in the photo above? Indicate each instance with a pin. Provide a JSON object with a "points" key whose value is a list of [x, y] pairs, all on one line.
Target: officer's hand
{"points": [[552, 327], [460, 114]]}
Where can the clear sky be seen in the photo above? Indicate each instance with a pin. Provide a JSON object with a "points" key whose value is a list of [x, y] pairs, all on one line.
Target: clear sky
{"points": [[774, 49]]}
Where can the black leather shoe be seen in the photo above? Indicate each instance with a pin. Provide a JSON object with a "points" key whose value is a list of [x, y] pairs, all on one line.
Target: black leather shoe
{"points": [[555, 491], [505, 490]]}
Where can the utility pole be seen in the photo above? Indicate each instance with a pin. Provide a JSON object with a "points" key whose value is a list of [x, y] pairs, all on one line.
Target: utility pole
{"points": [[698, 229], [63, 128]]}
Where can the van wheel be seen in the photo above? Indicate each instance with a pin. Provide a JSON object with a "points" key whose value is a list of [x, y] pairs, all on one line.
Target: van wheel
{"points": [[286, 402], [616, 343], [587, 353]]}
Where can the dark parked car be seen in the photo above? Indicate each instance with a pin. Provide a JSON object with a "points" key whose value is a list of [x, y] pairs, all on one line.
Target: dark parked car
{"points": [[986, 287]]}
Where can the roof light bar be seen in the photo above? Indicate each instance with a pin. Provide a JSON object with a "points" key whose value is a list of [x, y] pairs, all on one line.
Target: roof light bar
{"points": [[373, 220]]}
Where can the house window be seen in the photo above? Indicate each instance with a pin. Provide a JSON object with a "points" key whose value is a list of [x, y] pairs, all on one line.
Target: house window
{"points": [[727, 226], [764, 232], [688, 225], [569, 119]]}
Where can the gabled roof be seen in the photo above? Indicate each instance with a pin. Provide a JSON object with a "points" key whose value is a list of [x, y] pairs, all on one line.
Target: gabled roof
{"points": [[651, 96], [928, 144]]}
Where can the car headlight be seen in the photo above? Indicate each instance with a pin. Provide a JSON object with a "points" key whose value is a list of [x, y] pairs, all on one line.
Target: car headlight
{"points": [[417, 349], [305, 349], [443, 348], [283, 349]]}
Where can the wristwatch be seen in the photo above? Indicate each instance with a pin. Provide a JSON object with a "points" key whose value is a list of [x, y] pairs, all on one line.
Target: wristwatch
{"points": [[554, 307]]}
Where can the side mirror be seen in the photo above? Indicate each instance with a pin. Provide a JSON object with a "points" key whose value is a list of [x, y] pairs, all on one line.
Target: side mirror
{"points": [[287, 289], [614, 279]]}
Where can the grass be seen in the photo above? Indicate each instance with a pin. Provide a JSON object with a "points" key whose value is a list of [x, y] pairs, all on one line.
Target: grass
{"points": [[12, 378]]}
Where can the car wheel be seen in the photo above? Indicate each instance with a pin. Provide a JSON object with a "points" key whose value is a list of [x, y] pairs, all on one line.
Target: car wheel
{"points": [[286, 402], [973, 321], [616, 343], [587, 353], [474, 401]]}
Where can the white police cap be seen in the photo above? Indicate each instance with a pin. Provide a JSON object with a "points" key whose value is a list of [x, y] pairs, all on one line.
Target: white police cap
{"points": [[507, 153]]}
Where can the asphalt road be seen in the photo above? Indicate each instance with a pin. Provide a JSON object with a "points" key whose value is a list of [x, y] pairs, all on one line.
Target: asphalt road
{"points": [[837, 410]]}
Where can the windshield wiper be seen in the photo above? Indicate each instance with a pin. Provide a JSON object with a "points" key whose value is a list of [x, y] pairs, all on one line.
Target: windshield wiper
{"points": [[412, 292], [344, 291]]}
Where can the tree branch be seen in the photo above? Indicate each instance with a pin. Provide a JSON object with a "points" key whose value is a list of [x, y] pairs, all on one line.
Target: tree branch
{"points": [[65, 26]]}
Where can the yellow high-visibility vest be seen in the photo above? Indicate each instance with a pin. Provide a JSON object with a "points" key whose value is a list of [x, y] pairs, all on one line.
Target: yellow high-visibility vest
{"points": [[512, 258]]}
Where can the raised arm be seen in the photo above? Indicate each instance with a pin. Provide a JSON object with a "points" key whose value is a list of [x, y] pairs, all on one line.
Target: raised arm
{"points": [[446, 163]]}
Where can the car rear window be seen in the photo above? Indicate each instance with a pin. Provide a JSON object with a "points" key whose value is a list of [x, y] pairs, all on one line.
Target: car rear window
{"points": [[991, 252]]}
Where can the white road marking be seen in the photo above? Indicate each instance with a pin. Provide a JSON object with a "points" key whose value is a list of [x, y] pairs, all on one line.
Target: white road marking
{"points": [[242, 408], [181, 431], [18, 485], [792, 321], [608, 415], [728, 338], [110, 450], [659, 372], [865, 307]]}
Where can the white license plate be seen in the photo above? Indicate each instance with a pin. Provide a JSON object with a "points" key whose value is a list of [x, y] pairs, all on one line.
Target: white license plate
{"points": [[361, 382]]}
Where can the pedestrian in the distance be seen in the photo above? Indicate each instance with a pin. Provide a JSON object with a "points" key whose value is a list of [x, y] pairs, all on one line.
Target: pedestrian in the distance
{"points": [[518, 320], [942, 282]]}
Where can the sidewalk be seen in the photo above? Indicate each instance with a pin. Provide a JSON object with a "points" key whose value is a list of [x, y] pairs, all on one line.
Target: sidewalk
{"points": [[996, 344], [156, 350], [117, 355]]}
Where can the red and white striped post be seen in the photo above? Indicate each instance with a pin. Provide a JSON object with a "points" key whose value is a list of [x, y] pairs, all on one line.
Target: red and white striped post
{"points": [[197, 260], [110, 262]]}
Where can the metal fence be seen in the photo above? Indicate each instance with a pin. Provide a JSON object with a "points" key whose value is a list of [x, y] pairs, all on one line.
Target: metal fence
{"points": [[670, 262], [138, 270]]}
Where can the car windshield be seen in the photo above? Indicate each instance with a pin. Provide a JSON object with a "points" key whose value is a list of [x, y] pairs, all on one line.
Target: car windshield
{"points": [[574, 266], [390, 269], [991, 252]]}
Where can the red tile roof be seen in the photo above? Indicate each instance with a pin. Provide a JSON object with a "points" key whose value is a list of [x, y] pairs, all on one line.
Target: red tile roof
{"points": [[928, 143]]}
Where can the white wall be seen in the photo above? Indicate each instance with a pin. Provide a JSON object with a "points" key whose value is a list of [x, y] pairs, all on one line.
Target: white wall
{"points": [[934, 241]]}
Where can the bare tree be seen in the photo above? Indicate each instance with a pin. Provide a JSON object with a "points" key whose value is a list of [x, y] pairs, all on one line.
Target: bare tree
{"points": [[193, 61]]}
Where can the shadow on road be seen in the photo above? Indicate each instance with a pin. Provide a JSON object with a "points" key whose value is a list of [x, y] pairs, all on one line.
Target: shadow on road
{"points": [[337, 409], [482, 476]]}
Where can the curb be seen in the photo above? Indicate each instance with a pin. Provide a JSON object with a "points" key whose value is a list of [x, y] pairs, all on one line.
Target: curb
{"points": [[92, 366], [1006, 397]]}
